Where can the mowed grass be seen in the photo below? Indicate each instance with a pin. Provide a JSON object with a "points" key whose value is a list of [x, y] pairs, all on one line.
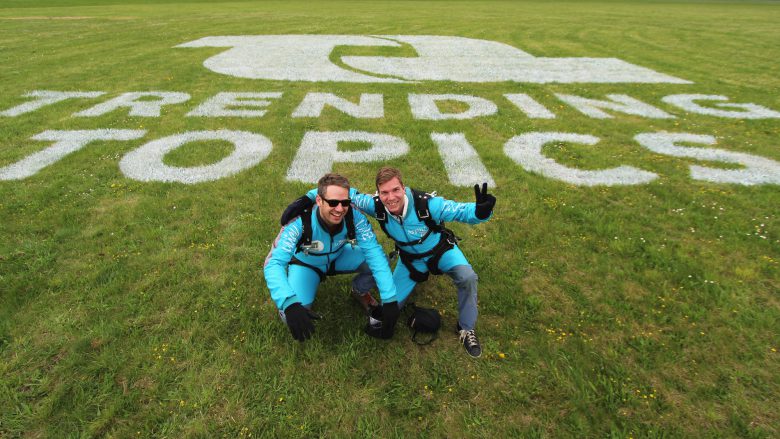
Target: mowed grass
{"points": [[133, 309]]}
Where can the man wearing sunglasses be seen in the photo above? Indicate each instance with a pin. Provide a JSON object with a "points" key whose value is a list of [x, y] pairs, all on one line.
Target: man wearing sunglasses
{"points": [[329, 238]]}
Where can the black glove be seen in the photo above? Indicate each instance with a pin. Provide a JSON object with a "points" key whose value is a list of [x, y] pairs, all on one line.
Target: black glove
{"points": [[299, 321], [295, 209], [390, 313], [485, 202]]}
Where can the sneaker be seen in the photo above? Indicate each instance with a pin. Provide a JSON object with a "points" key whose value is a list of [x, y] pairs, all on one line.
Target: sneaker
{"points": [[375, 318], [470, 342], [366, 300]]}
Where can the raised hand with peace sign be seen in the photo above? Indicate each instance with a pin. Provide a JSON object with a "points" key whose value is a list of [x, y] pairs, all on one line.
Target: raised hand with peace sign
{"points": [[485, 201]]}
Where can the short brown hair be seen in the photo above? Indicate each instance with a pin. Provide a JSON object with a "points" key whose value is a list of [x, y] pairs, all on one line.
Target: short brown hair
{"points": [[386, 174], [331, 179]]}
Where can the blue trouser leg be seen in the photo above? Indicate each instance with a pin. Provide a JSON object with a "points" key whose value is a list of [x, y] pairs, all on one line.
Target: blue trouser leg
{"points": [[304, 281], [363, 281], [352, 260], [465, 279], [457, 267], [404, 285]]}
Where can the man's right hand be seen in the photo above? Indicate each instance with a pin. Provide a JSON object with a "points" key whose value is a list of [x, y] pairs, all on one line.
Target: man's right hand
{"points": [[485, 202], [299, 321], [390, 313]]}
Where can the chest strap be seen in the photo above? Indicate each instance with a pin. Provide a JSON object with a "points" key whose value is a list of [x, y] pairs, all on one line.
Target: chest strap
{"points": [[320, 273], [305, 243]]}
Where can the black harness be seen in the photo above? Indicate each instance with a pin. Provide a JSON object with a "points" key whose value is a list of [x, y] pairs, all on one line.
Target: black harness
{"points": [[305, 244], [447, 238]]}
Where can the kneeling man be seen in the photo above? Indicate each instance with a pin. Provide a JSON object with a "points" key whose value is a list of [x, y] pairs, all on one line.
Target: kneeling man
{"points": [[327, 239]]}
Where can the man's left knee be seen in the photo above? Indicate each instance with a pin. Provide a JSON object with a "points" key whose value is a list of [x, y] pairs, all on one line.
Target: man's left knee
{"points": [[464, 275]]}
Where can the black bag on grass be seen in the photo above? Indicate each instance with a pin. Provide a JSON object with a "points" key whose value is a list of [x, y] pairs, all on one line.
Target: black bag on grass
{"points": [[424, 320]]}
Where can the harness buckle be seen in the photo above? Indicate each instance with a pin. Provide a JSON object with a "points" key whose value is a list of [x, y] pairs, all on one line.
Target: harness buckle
{"points": [[314, 246], [451, 237]]}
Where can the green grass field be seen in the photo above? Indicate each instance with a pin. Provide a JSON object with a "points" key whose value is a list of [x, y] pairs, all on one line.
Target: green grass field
{"points": [[138, 309]]}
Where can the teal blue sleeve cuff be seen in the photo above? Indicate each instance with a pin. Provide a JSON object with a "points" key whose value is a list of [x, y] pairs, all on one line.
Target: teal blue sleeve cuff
{"points": [[289, 301]]}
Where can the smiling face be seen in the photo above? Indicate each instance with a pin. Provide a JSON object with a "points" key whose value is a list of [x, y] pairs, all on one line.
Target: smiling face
{"points": [[333, 216], [391, 193]]}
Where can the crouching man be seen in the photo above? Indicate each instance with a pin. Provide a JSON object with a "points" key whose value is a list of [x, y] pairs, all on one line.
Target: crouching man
{"points": [[326, 239]]}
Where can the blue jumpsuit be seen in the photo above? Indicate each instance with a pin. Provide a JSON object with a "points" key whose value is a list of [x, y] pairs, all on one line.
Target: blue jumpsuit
{"points": [[290, 283], [408, 227]]}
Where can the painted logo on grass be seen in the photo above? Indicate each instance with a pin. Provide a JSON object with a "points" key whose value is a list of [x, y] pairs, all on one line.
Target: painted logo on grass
{"points": [[439, 58], [424, 58]]}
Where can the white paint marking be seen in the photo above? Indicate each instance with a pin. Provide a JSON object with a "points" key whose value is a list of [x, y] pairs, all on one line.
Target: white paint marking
{"points": [[66, 142], [526, 151], [146, 162], [463, 165], [225, 103], [529, 106], [620, 103], [439, 58], [286, 57], [138, 107], [371, 106], [319, 150], [758, 170], [747, 111], [47, 97], [424, 106], [447, 58]]}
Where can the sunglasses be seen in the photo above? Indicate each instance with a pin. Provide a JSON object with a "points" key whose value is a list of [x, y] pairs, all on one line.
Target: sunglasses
{"points": [[334, 203]]}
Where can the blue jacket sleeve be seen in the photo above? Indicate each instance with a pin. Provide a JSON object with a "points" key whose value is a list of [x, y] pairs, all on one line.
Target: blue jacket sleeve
{"points": [[275, 266], [375, 257], [448, 210], [364, 202]]}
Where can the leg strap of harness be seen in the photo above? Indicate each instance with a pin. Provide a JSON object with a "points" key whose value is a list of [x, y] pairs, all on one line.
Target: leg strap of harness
{"points": [[441, 247], [414, 274], [320, 273]]}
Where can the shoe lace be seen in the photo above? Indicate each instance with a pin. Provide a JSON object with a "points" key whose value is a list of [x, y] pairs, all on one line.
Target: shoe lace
{"points": [[470, 338]]}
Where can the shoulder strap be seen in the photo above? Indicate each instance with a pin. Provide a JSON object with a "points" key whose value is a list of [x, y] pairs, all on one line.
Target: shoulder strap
{"points": [[305, 239], [421, 209], [380, 213], [350, 220]]}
